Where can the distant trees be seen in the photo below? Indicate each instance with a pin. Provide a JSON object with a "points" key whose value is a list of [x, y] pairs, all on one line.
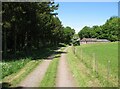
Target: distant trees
{"points": [[76, 40], [68, 34], [31, 25], [107, 31]]}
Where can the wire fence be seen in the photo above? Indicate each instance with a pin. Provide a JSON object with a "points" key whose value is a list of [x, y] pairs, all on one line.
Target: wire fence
{"points": [[100, 71]]}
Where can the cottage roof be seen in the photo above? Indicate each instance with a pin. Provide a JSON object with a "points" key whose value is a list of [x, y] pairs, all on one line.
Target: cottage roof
{"points": [[93, 40], [88, 39], [102, 40]]}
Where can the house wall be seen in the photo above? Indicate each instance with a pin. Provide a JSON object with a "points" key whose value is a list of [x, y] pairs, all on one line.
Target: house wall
{"points": [[93, 42]]}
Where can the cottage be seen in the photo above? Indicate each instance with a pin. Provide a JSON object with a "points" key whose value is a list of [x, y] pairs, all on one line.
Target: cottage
{"points": [[92, 40], [102, 40]]}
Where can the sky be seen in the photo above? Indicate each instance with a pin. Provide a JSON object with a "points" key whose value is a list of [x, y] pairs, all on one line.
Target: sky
{"points": [[80, 14]]}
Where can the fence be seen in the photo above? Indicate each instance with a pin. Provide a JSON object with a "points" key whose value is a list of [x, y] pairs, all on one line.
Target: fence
{"points": [[102, 73]]}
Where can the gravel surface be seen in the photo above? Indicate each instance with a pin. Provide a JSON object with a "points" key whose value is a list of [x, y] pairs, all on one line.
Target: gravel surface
{"points": [[64, 76]]}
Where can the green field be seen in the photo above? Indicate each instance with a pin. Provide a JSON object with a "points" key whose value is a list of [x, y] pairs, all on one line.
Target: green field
{"points": [[95, 57]]}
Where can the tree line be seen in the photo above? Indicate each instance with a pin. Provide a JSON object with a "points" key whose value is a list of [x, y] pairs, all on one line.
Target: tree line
{"points": [[109, 30], [32, 25]]}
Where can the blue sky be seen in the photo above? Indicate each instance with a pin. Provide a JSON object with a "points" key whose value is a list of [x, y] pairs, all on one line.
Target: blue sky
{"points": [[80, 14]]}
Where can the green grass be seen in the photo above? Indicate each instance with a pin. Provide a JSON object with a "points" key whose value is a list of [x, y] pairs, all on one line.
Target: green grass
{"points": [[73, 65], [12, 66], [104, 52], [16, 78], [49, 79], [28, 69], [50, 76], [15, 70], [83, 76]]}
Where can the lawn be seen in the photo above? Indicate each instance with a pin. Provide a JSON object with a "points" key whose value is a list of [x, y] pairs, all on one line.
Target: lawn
{"points": [[102, 58], [94, 65]]}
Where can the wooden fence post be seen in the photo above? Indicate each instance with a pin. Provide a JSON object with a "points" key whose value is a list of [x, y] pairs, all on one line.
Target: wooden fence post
{"points": [[94, 62], [96, 66], [108, 71], [81, 54], [74, 49]]}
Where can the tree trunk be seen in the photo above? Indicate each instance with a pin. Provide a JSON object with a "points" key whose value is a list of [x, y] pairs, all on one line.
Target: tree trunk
{"points": [[15, 38], [5, 43]]}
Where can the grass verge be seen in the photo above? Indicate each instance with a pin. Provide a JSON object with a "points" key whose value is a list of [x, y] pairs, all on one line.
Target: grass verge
{"points": [[12, 66], [49, 79], [82, 75], [16, 78], [16, 70]]}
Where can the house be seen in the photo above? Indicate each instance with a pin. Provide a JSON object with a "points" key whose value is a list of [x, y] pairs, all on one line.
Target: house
{"points": [[102, 40], [92, 40], [88, 40]]}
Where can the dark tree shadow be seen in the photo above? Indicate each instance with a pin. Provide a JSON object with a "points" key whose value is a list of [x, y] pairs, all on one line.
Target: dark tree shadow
{"points": [[60, 52], [5, 85], [35, 54]]}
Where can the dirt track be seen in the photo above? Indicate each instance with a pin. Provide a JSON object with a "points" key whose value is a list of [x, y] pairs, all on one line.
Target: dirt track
{"points": [[64, 76], [34, 78]]}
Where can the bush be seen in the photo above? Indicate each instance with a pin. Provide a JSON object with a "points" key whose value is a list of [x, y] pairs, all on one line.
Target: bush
{"points": [[76, 43]]}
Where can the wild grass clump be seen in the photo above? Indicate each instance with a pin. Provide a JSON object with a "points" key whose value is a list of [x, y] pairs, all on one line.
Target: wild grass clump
{"points": [[12, 66]]}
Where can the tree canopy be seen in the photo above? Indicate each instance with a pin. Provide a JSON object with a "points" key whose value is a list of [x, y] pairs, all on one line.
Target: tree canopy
{"points": [[109, 30], [32, 25]]}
